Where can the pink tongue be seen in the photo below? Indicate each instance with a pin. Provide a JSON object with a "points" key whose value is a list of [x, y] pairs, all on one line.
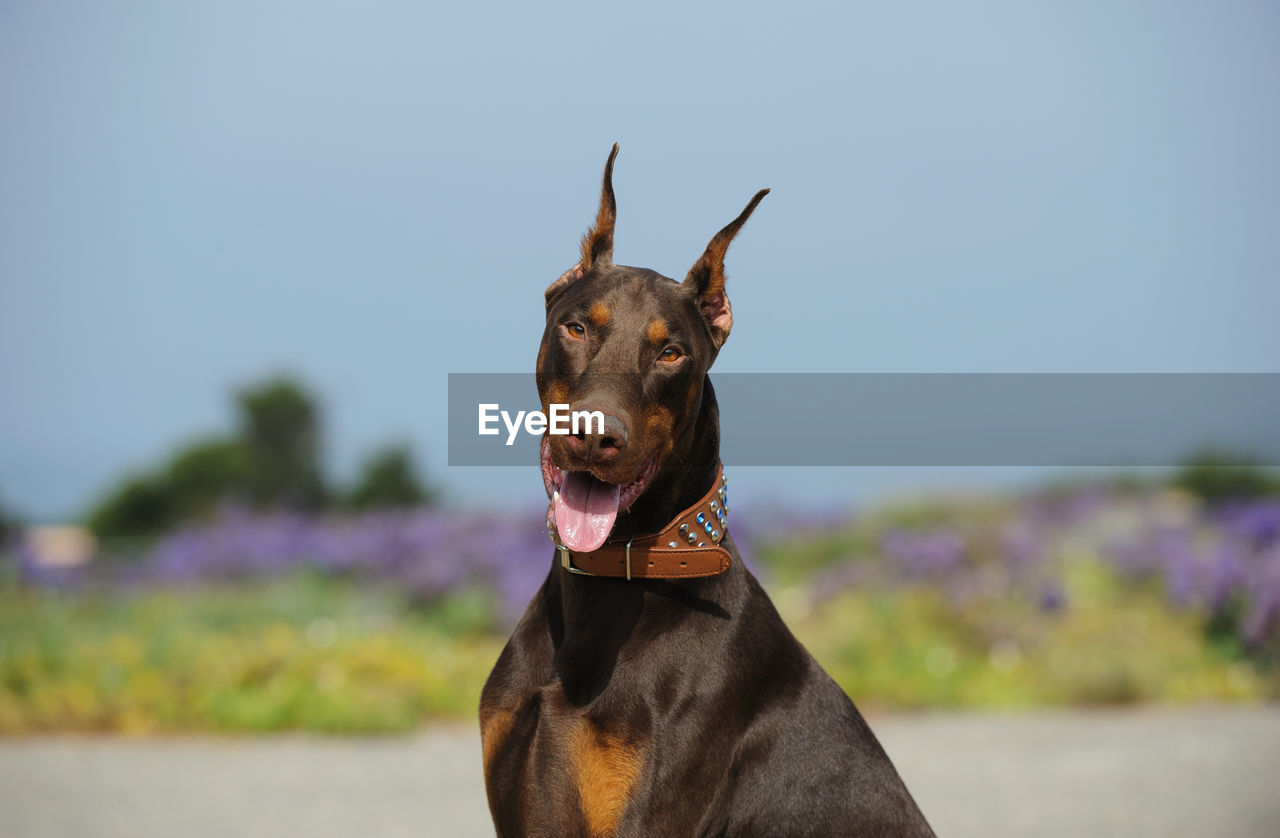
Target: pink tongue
{"points": [[586, 511]]}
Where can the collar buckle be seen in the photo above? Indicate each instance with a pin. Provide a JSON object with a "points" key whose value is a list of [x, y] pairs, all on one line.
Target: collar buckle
{"points": [[566, 561]]}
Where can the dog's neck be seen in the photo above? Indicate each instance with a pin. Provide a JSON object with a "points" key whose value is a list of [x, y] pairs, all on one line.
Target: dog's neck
{"points": [[591, 618]]}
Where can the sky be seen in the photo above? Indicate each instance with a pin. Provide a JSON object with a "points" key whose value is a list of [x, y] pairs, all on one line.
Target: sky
{"points": [[373, 195]]}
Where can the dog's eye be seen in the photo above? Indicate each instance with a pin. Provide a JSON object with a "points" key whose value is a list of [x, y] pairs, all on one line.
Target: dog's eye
{"points": [[670, 354], [575, 330]]}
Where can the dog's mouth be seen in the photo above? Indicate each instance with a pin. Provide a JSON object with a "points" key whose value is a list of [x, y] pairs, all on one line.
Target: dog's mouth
{"points": [[583, 507]]}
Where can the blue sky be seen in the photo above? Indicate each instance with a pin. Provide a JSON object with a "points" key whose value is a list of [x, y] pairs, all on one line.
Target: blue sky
{"points": [[193, 196]]}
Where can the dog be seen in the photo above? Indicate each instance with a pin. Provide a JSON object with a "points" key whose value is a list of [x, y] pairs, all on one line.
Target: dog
{"points": [[651, 688]]}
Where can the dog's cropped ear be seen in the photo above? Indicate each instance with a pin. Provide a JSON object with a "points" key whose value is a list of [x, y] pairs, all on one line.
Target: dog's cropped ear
{"points": [[566, 279], [706, 278], [597, 244]]}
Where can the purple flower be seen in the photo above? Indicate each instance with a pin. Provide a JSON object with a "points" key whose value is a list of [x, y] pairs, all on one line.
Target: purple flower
{"points": [[1052, 597], [1257, 522], [921, 554]]}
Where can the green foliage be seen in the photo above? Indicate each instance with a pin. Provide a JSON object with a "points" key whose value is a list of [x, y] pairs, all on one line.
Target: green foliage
{"points": [[1216, 476], [911, 648], [273, 460], [141, 506], [306, 653], [389, 479], [280, 430], [189, 486], [298, 654], [205, 473], [8, 525]]}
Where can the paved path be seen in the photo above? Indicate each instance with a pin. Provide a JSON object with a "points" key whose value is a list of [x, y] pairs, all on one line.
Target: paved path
{"points": [[1202, 772]]}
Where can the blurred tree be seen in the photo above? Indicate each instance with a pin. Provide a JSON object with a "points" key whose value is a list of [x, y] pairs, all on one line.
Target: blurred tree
{"points": [[141, 506], [1217, 476], [192, 484], [389, 478], [279, 427], [274, 460], [206, 473], [8, 525]]}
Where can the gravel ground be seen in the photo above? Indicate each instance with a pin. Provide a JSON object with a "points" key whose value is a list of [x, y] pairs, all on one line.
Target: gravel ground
{"points": [[1201, 772]]}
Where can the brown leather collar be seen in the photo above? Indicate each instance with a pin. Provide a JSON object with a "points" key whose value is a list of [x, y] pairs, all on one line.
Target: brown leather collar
{"points": [[687, 548]]}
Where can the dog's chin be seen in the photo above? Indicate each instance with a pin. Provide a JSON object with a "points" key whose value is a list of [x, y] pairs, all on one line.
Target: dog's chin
{"points": [[628, 492]]}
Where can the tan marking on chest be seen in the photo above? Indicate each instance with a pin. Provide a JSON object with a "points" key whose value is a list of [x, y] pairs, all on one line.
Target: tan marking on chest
{"points": [[600, 314], [494, 729], [606, 770]]}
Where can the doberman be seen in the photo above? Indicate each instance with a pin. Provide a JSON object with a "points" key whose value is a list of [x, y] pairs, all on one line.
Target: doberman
{"points": [[651, 688]]}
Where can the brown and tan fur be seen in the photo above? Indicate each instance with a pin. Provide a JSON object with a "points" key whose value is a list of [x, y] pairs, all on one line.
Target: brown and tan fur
{"points": [[656, 707]]}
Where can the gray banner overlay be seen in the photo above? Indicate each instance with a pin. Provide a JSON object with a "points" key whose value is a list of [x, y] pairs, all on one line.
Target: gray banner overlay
{"points": [[996, 419]]}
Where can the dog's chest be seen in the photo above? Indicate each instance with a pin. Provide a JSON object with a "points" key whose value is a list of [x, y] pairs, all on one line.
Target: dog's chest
{"points": [[566, 774]]}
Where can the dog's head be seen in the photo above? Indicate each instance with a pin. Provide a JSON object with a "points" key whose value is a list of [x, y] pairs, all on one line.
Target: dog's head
{"points": [[635, 347]]}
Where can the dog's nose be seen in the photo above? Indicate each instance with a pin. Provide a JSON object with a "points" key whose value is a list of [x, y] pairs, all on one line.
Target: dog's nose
{"points": [[596, 444]]}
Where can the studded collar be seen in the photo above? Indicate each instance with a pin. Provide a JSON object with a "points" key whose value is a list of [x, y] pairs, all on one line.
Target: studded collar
{"points": [[687, 548]]}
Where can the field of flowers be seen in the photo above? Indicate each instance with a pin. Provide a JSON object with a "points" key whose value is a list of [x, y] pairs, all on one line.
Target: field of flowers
{"points": [[380, 620]]}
